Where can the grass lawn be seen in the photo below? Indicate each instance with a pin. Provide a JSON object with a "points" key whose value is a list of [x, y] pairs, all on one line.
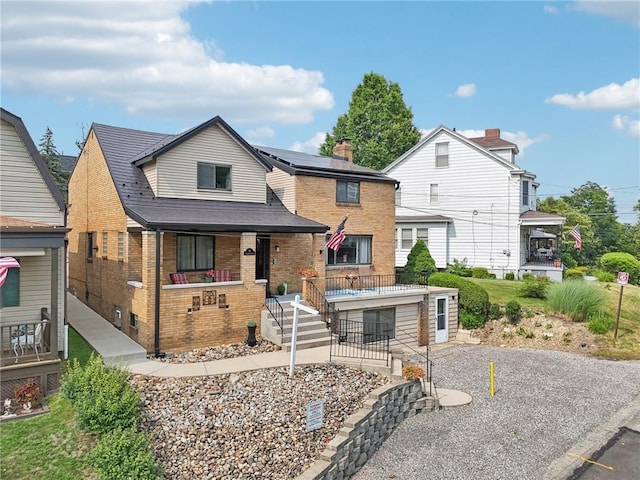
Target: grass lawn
{"points": [[626, 347], [48, 446]]}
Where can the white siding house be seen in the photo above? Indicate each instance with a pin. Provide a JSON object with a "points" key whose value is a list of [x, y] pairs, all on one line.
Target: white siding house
{"points": [[472, 203]]}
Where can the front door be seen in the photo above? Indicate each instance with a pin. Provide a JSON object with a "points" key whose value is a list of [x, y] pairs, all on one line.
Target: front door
{"points": [[442, 320], [263, 259]]}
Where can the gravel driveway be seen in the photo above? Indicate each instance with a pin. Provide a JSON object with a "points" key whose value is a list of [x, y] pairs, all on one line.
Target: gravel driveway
{"points": [[545, 402]]}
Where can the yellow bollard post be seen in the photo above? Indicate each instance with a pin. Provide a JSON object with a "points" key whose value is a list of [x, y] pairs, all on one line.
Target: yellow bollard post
{"points": [[492, 383]]}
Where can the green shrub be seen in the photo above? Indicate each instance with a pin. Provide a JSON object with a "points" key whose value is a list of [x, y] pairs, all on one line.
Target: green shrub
{"points": [[576, 299], [419, 263], [600, 323], [124, 454], [492, 276], [102, 396], [495, 312], [513, 311], [615, 262], [470, 320], [459, 267], [603, 276], [536, 288], [574, 273], [568, 260], [528, 276], [509, 276], [480, 272], [472, 297]]}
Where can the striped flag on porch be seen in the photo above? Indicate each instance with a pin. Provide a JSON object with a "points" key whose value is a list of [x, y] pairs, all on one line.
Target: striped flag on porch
{"points": [[5, 264]]}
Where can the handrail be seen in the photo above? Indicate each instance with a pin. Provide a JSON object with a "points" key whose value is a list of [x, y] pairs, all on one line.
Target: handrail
{"points": [[376, 283], [277, 312], [318, 300]]}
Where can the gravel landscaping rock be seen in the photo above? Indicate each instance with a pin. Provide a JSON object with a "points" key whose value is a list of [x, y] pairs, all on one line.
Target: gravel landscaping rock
{"points": [[545, 402], [248, 425], [231, 350]]}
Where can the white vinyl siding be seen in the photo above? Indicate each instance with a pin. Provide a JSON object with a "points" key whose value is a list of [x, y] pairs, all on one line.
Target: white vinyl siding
{"points": [[283, 185], [473, 182], [177, 169], [150, 171], [23, 192], [434, 235]]}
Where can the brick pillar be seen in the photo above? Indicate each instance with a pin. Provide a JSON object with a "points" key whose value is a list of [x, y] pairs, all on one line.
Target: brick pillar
{"points": [[248, 262]]}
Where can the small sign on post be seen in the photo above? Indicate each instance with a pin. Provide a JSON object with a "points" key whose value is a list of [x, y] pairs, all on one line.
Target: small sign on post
{"points": [[623, 279], [315, 415]]}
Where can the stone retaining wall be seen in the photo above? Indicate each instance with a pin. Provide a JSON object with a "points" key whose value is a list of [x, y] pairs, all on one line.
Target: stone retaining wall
{"points": [[365, 431]]}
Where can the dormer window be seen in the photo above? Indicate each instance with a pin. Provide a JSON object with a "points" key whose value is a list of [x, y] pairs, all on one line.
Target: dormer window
{"points": [[214, 176]]}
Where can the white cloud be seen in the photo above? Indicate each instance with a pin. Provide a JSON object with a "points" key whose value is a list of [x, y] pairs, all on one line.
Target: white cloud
{"points": [[144, 58], [626, 11], [465, 91], [550, 9], [609, 96], [259, 134], [310, 146], [622, 122]]}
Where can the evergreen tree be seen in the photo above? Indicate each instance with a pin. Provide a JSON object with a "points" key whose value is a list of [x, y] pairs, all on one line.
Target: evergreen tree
{"points": [[51, 157], [378, 123], [419, 263]]}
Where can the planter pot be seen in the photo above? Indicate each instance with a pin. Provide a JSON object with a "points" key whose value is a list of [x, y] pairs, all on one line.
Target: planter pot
{"points": [[208, 280], [251, 337]]}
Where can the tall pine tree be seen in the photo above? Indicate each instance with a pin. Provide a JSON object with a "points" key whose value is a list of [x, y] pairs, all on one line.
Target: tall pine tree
{"points": [[51, 157], [378, 123]]}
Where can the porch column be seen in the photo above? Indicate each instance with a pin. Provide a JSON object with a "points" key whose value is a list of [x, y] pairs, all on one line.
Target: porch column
{"points": [[318, 254], [248, 262], [57, 263]]}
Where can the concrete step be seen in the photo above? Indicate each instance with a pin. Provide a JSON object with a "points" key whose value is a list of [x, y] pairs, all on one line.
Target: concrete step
{"points": [[302, 344]]}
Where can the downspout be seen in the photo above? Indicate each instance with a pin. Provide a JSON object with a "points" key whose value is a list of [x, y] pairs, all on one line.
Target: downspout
{"points": [[156, 332]]}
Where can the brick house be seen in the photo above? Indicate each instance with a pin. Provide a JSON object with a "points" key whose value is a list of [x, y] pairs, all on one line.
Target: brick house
{"points": [[152, 213], [32, 298]]}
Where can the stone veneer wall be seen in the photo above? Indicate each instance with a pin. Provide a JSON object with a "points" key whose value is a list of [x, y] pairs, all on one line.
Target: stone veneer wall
{"points": [[366, 430]]}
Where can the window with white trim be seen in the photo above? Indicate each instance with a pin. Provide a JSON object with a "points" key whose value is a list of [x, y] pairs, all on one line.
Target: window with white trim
{"points": [[214, 176], [406, 238], [433, 193], [442, 155], [525, 192], [422, 234]]}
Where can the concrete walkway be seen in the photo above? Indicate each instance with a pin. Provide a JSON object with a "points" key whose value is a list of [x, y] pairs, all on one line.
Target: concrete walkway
{"points": [[117, 349]]}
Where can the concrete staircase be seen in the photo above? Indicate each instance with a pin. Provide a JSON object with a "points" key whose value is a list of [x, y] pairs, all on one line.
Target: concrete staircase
{"points": [[312, 331]]}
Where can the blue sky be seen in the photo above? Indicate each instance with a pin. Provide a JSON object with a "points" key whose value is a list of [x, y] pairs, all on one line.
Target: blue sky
{"points": [[560, 79]]}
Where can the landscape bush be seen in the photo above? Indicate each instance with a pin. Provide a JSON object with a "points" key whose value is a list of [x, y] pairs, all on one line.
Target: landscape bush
{"points": [[528, 276], [602, 275], [459, 268], [102, 396], [574, 273], [534, 288], [470, 320], [509, 276], [576, 299], [124, 454], [568, 260], [600, 323], [480, 272], [513, 311], [472, 297], [495, 312], [419, 263], [615, 262]]}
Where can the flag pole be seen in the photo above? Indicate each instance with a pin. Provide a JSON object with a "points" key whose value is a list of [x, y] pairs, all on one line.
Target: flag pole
{"points": [[342, 222]]}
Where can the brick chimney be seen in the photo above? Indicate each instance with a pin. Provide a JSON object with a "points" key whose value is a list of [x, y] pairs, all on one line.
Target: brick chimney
{"points": [[492, 133], [343, 149]]}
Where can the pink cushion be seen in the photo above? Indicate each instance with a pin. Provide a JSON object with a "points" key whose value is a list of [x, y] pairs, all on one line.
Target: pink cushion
{"points": [[223, 275], [179, 278]]}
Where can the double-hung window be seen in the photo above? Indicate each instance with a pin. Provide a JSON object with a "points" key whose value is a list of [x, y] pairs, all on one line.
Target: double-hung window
{"points": [[442, 155], [214, 176], [195, 252], [433, 193], [347, 192], [354, 250], [422, 234], [406, 238], [525, 192]]}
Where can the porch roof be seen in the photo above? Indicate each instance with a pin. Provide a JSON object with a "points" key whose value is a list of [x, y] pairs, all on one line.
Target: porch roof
{"points": [[533, 217]]}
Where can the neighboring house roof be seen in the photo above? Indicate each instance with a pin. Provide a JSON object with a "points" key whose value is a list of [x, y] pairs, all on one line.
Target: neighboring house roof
{"points": [[534, 216], [26, 139], [122, 147], [468, 141], [13, 225], [68, 162], [300, 163], [491, 143]]}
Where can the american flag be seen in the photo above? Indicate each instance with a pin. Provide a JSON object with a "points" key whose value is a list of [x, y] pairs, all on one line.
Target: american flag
{"points": [[575, 234], [337, 237], [5, 264]]}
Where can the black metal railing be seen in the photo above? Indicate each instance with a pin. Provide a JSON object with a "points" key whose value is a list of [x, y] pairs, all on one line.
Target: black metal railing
{"points": [[354, 284], [355, 339], [277, 313], [325, 309], [24, 342]]}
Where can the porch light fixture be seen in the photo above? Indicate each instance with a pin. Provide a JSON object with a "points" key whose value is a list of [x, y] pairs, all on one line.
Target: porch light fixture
{"points": [[277, 248]]}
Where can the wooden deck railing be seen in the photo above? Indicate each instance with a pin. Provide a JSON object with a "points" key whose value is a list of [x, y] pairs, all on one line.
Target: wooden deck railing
{"points": [[26, 342]]}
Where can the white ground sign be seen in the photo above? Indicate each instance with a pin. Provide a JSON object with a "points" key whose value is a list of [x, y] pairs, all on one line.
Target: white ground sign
{"points": [[315, 415]]}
